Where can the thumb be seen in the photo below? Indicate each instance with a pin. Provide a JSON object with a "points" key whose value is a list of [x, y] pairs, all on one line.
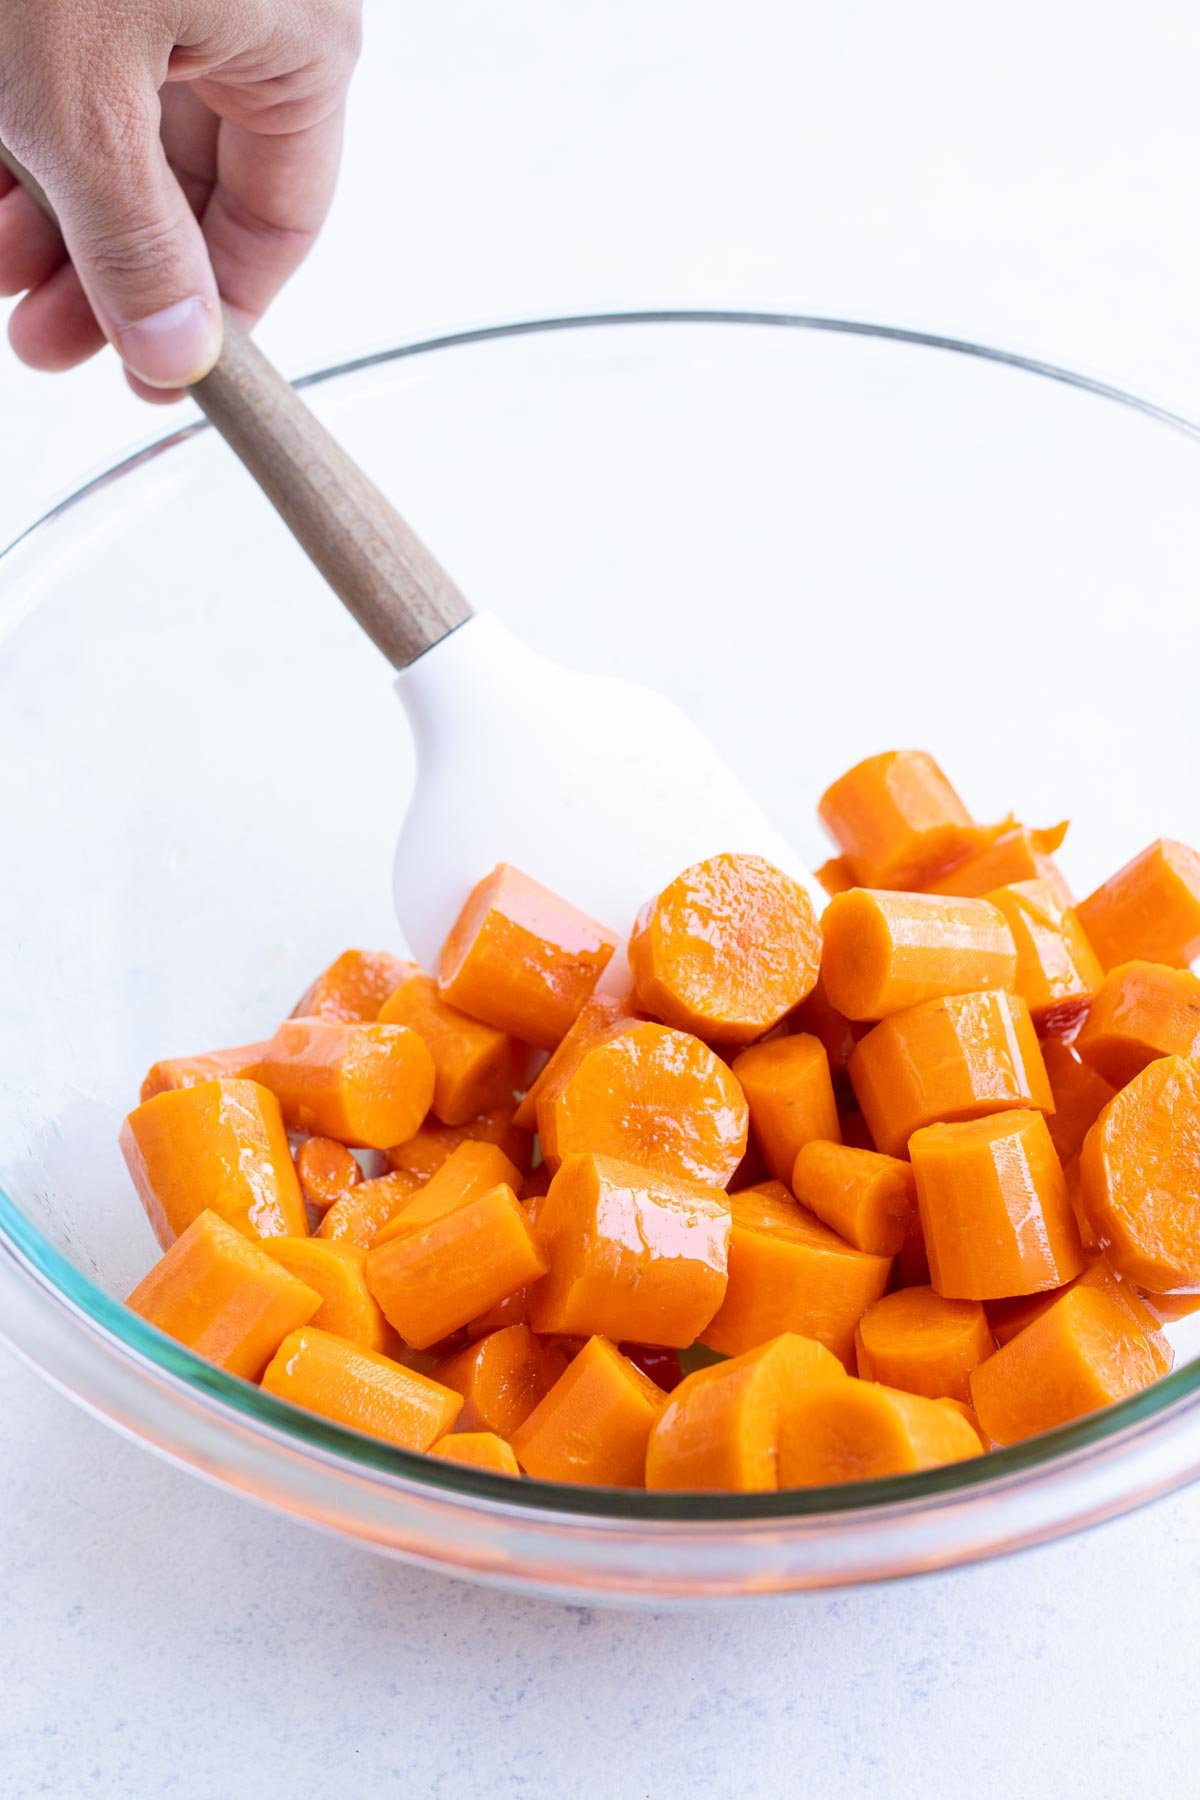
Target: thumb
{"points": [[140, 255]]}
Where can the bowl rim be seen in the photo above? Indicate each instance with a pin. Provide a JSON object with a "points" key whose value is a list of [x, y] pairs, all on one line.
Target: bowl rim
{"points": [[62, 1285]]}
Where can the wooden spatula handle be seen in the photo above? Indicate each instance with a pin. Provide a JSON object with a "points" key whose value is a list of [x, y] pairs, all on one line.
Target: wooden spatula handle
{"points": [[376, 565]]}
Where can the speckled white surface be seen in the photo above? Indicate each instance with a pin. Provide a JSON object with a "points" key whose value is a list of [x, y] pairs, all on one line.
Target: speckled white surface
{"points": [[1025, 177]]}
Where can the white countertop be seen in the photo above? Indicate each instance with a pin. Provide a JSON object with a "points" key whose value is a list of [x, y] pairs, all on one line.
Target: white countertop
{"points": [[1026, 178]]}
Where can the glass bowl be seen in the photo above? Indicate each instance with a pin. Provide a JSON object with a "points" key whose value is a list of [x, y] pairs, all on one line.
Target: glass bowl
{"points": [[824, 539]]}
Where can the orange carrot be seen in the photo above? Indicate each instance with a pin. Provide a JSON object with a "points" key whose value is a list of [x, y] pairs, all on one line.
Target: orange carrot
{"points": [[427, 1149], [1057, 970], [727, 950], [1169, 1308], [599, 1018], [869, 1199], [1008, 1317], [189, 1071], [788, 1272], [326, 1170], [919, 1341], [994, 1208], [959, 1058], [885, 952], [471, 1170], [819, 1018], [437, 1278], [1140, 1174], [502, 1378], [522, 959], [910, 1267], [354, 987], [220, 1146], [967, 1412], [361, 1389], [1149, 910], [835, 876], [220, 1295], [896, 819], [631, 1255], [1079, 1095], [366, 1085], [1082, 1353], [790, 1095], [594, 1424], [476, 1067], [335, 1271], [720, 1428], [860, 1431], [1006, 854], [478, 1450], [361, 1213], [1143, 1011], [651, 1096]]}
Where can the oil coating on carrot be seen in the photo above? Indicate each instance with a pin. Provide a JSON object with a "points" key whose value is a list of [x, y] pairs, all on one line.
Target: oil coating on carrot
{"points": [[337, 1272], [1006, 854], [363, 1211], [1058, 972], [365, 1085], [1149, 910], [896, 819], [426, 1150], [727, 950], [869, 1199], [862, 1431], [218, 1294], [522, 959], [477, 1450], [948, 1060], [1079, 1095], [362, 1389], [219, 1146], [502, 1378], [885, 952], [326, 1170], [467, 1172], [601, 1017], [917, 1340], [651, 1096], [1139, 1173], [789, 1092], [594, 1424], [354, 987], [630, 1254], [189, 1071], [1008, 1317], [1144, 1010], [476, 1067]]}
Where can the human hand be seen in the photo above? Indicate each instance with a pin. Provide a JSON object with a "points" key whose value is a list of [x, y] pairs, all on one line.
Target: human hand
{"points": [[189, 148]]}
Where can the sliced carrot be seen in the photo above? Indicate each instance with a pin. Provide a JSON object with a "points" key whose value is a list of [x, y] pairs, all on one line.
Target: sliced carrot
{"points": [[869, 1199], [651, 1096], [995, 1212], [819, 1018], [361, 1389], [1058, 972], [896, 819], [522, 959], [917, 1340], [433, 1280], [1008, 853], [354, 987], [1082, 1353], [727, 950], [959, 1058], [478, 1450], [835, 876], [720, 1429], [885, 952], [1008, 1317], [1169, 1308], [336, 1271], [476, 1067], [220, 1295], [189, 1071], [512, 1310], [471, 1170], [601, 1017], [1079, 1095], [594, 1424], [426, 1150], [1139, 1172], [219, 1146], [1148, 910], [366, 1085], [630, 1254], [789, 1091], [1143, 1011], [326, 1170], [502, 1378], [361, 1214], [788, 1272], [967, 1412], [861, 1431]]}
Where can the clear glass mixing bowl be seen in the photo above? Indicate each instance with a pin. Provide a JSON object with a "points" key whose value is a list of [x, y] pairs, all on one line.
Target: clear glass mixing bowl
{"points": [[824, 539]]}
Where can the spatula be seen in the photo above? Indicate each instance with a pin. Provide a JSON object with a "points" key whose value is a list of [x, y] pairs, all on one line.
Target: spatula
{"points": [[628, 790]]}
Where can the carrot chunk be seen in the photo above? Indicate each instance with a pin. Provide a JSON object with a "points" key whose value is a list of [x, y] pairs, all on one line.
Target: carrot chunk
{"points": [[967, 1412], [467, 1172], [885, 952], [336, 1271], [1007, 854], [819, 1018], [221, 1147], [835, 876], [1008, 1317], [475, 1066], [478, 1450], [917, 1340], [1149, 910], [426, 1150], [788, 1272], [594, 1424], [189, 1071], [995, 1212], [1058, 972], [720, 1429], [631, 1254], [1140, 1174], [367, 1085], [896, 819], [869, 1199], [727, 950], [953, 1059], [522, 959], [437, 1278], [1143, 1011], [1079, 1096], [220, 1295], [361, 1213], [1082, 1353], [600, 1018], [326, 1170], [354, 987], [651, 1096], [502, 1378], [789, 1092], [860, 1431], [362, 1389]]}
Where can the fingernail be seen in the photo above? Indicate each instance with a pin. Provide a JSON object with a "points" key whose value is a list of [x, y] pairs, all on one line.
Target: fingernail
{"points": [[175, 347]]}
